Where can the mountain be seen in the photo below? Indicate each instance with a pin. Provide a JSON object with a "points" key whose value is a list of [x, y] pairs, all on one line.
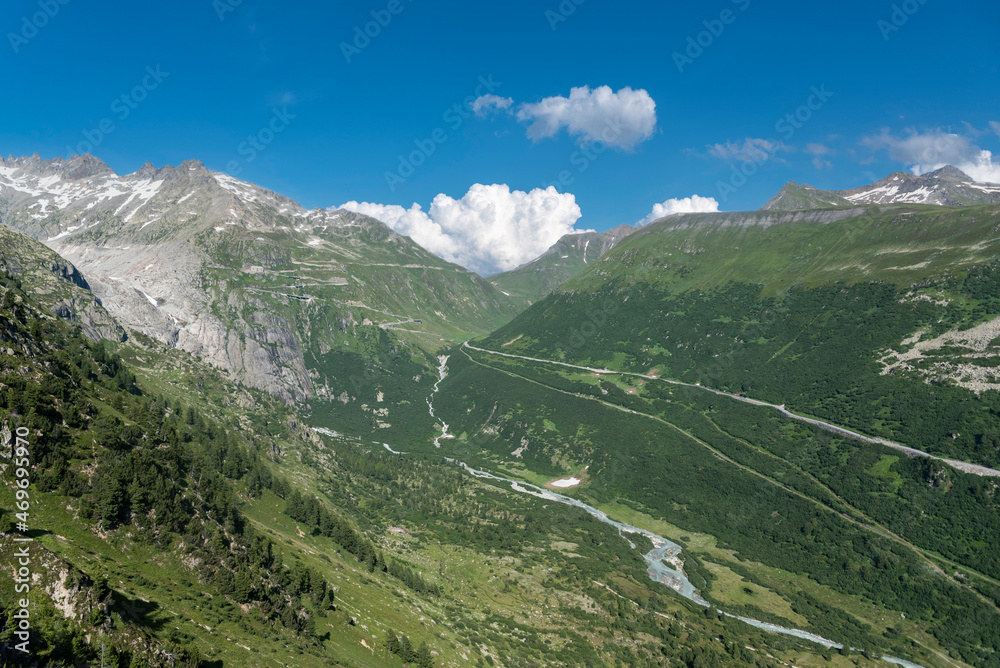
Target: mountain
{"points": [[567, 257], [796, 197], [177, 518], [727, 437], [813, 392], [56, 284], [307, 305], [947, 186]]}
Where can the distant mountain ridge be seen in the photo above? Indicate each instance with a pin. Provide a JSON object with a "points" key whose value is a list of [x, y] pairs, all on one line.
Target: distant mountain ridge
{"points": [[566, 258], [800, 197], [948, 186]]}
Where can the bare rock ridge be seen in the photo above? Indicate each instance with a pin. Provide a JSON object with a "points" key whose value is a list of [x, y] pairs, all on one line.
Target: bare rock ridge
{"points": [[948, 186], [56, 284], [172, 252]]}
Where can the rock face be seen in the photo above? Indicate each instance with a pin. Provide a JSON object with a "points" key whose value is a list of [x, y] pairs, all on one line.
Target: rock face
{"points": [[947, 186], [238, 275], [56, 284]]}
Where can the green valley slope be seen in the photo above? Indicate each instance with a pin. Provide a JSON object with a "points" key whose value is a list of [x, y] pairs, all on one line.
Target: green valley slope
{"points": [[177, 517], [569, 256], [882, 320]]}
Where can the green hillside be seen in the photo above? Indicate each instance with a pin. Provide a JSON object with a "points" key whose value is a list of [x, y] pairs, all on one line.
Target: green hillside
{"points": [[898, 244], [178, 518], [569, 256], [879, 320], [800, 197]]}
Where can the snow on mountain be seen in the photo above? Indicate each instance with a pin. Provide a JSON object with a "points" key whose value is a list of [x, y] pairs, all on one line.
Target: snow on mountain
{"points": [[947, 186], [59, 199]]}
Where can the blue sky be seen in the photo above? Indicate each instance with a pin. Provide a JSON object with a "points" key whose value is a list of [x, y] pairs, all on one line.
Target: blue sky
{"points": [[916, 89]]}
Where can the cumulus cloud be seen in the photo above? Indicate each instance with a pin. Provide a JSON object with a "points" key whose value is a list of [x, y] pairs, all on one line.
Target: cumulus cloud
{"points": [[995, 126], [928, 151], [983, 168], [624, 119], [749, 150], [693, 204], [491, 104], [490, 229]]}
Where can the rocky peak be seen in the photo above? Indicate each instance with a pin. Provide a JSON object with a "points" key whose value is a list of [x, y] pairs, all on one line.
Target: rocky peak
{"points": [[949, 173], [148, 171], [948, 186], [84, 166]]}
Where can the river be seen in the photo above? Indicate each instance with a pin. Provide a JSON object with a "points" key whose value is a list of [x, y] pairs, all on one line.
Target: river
{"points": [[657, 568], [664, 550]]}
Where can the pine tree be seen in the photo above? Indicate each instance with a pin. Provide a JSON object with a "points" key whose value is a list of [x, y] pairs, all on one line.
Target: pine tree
{"points": [[424, 659]]}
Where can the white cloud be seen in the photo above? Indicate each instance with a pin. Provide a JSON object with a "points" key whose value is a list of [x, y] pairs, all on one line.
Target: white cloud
{"points": [[487, 104], [928, 151], [693, 204], [818, 151], [490, 229], [983, 168], [624, 119], [995, 126], [929, 148], [751, 150]]}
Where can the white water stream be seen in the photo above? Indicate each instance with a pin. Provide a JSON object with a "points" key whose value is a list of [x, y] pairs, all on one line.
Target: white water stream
{"points": [[656, 560], [664, 550], [442, 374]]}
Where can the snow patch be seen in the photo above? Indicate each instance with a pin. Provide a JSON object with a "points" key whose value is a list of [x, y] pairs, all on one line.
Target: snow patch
{"points": [[148, 298]]}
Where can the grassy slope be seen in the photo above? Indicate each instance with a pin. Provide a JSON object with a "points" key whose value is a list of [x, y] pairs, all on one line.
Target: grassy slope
{"points": [[778, 525], [791, 309], [369, 310], [571, 255], [494, 590], [899, 245], [800, 197]]}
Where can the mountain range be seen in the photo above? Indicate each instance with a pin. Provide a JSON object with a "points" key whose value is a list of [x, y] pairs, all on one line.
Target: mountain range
{"points": [[263, 435], [947, 186], [238, 275]]}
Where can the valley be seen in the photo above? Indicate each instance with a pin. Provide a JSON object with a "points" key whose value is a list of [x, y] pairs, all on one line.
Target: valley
{"points": [[911, 452], [754, 438]]}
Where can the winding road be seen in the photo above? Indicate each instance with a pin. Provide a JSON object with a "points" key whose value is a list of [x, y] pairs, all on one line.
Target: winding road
{"points": [[965, 467]]}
